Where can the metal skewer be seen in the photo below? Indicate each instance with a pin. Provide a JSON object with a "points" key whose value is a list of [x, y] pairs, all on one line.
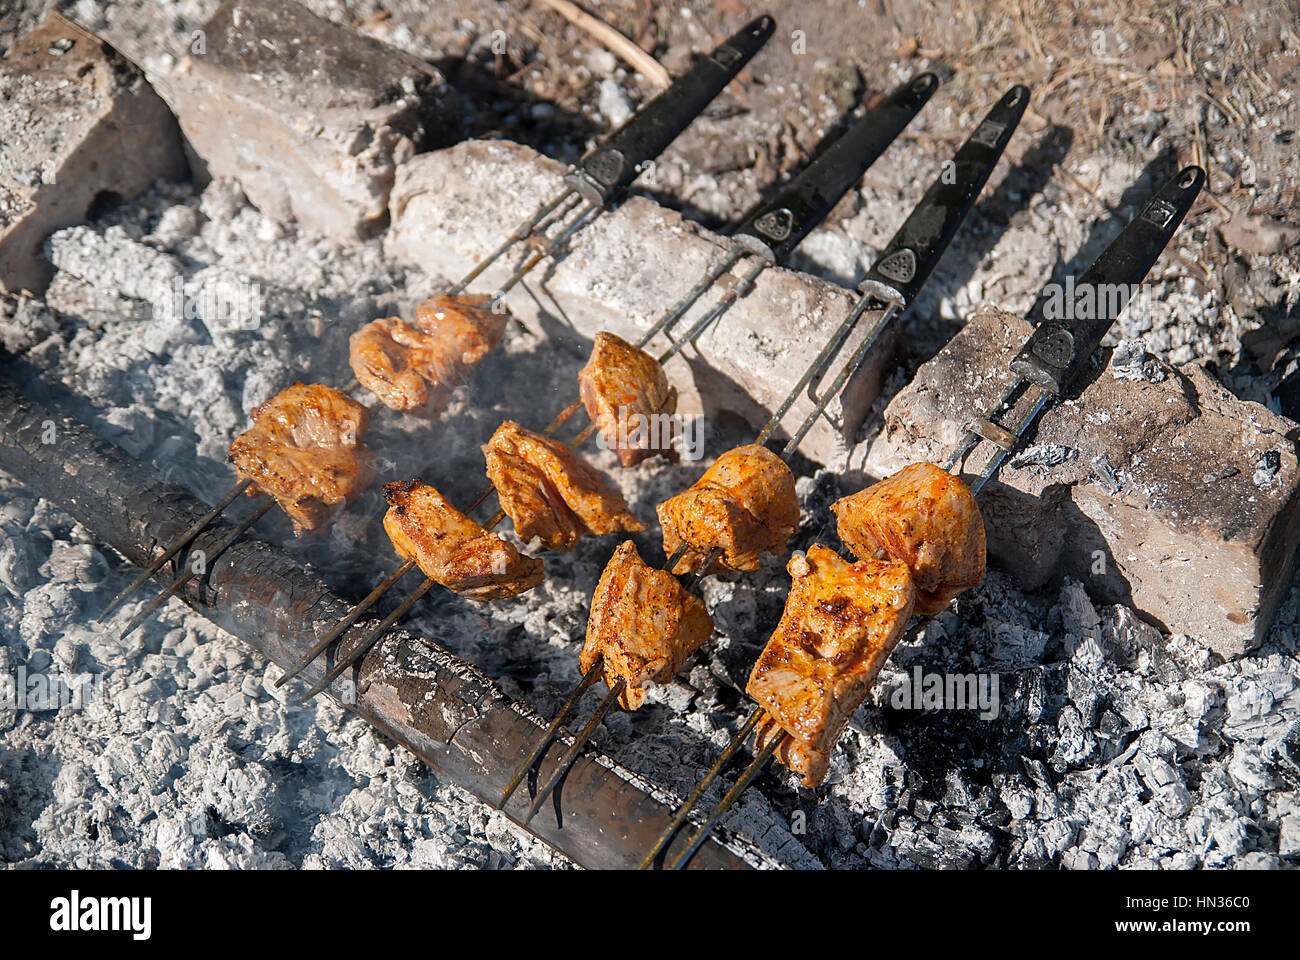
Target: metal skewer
{"points": [[370, 639], [604, 175], [1049, 363], [741, 785], [343, 625], [552, 731], [585, 212], [185, 575], [698, 793], [571, 755], [680, 309], [356, 613], [521, 233], [177, 545], [570, 704]]}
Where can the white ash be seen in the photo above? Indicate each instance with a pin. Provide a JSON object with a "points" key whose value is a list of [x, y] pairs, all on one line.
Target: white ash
{"points": [[1044, 455], [1267, 467], [615, 105], [1107, 474], [1130, 361]]}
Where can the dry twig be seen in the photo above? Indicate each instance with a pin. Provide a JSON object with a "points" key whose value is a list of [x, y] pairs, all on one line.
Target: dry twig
{"points": [[634, 56]]}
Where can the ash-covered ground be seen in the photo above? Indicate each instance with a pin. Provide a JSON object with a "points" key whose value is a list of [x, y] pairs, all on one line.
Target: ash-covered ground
{"points": [[1113, 745]]}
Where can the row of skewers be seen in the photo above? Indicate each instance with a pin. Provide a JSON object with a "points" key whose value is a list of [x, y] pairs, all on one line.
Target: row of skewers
{"points": [[919, 540], [917, 537], [744, 507]]}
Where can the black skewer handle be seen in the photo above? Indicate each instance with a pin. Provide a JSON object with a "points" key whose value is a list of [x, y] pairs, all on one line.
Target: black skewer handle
{"points": [[608, 170], [905, 264], [779, 225], [1059, 347]]}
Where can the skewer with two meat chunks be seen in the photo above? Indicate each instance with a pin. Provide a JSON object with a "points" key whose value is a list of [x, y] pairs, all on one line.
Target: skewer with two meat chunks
{"points": [[622, 382], [745, 504], [304, 450], [415, 366], [919, 539], [541, 488]]}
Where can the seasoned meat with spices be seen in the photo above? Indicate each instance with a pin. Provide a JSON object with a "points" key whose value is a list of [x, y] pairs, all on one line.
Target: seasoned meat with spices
{"points": [[304, 449], [550, 492], [451, 548], [925, 517], [643, 625], [415, 366], [628, 399], [745, 503], [841, 622]]}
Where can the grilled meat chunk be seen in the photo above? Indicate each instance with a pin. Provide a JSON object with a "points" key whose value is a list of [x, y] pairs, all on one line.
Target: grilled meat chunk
{"points": [[745, 503], [624, 390], [841, 622], [416, 366], [925, 517], [451, 548], [643, 625], [549, 491], [304, 449]]}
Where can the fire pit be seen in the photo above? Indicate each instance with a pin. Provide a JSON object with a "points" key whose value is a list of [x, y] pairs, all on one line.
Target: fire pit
{"points": [[1092, 737]]}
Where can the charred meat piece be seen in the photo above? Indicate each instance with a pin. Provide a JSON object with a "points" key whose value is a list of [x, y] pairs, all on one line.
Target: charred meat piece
{"points": [[745, 503], [628, 399], [925, 517], [451, 548], [416, 366], [841, 622], [643, 625], [304, 449], [550, 492]]}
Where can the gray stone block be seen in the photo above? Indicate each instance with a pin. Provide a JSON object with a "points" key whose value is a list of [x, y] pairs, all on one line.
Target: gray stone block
{"points": [[79, 126], [310, 118]]}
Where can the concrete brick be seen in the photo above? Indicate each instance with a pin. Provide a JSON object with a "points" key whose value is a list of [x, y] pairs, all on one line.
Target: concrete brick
{"points": [[622, 272], [1160, 503], [310, 118], [78, 122]]}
